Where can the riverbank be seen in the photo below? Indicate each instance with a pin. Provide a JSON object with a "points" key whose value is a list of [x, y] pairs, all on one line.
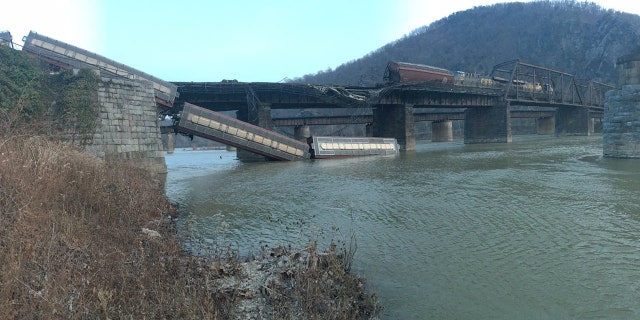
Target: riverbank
{"points": [[83, 238]]}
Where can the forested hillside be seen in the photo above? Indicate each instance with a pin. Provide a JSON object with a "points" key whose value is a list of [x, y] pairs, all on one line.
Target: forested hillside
{"points": [[576, 37]]}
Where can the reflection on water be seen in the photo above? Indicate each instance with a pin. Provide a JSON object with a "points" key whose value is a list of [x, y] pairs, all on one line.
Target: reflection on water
{"points": [[541, 228]]}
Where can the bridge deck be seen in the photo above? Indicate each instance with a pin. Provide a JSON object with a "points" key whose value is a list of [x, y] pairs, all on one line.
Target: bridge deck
{"points": [[242, 135]]}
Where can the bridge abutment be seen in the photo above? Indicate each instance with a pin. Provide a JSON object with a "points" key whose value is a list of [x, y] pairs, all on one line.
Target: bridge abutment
{"points": [[442, 131], [127, 125], [488, 125], [573, 121], [258, 114], [395, 121]]}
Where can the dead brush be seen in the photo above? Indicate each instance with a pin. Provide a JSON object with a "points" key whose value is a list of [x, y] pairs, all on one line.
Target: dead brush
{"points": [[321, 287], [71, 244]]}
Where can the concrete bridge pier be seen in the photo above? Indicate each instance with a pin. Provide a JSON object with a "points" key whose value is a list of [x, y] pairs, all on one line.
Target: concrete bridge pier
{"points": [[573, 121], [546, 125], [302, 133], [170, 143], [597, 124], [442, 131], [259, 115], [488, 125], [395, 121]]}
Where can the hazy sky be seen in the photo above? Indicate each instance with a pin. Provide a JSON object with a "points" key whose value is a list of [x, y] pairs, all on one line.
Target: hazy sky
{"points": [[247, 40]]}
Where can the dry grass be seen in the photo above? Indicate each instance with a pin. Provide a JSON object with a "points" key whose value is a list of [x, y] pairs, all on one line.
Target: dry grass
{"points": [[71, 240]]}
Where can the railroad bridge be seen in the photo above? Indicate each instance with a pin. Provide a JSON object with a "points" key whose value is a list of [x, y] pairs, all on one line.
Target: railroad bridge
{"points": [[387, 111]]}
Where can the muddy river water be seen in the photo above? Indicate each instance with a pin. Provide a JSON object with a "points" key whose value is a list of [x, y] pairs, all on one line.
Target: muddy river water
{"points": [[541, 228]]}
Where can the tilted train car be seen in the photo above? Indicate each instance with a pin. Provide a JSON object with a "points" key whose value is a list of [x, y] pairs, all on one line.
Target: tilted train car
{"points": [[403, 72], [216, 126]]}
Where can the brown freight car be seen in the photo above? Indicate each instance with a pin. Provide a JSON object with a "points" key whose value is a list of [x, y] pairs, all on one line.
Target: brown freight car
{"points": [[403, 72]]}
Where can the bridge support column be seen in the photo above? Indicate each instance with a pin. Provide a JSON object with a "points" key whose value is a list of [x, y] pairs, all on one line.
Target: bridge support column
{"points": [[259, 115], [368, 130], [597, 125], [442, 131], [302, 133], [572, 121], [546, 125], [395, 121], [488, 125], [170, 143]]}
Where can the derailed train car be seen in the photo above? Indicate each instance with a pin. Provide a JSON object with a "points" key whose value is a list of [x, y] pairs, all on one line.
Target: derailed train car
{"points": [[339, 147], [208, 124], [198, 121]]}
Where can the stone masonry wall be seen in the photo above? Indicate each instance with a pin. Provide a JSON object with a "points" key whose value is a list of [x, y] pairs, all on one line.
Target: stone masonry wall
{"points": [[621, 128], [128, 126]]}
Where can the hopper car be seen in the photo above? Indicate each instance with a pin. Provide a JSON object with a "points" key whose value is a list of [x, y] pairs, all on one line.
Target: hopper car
{"points": [[339, 147]]}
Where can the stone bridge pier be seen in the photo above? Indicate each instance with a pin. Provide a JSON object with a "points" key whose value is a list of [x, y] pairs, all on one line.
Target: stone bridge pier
{"points": [[621, 127], [395, 121]]}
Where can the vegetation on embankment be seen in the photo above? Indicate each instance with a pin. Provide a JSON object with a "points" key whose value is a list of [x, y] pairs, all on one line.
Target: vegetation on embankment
{"points": [[84, 238], [61, 103]]}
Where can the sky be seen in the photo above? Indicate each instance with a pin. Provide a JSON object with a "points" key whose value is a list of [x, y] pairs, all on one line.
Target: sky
{"points": [[246, 40]]}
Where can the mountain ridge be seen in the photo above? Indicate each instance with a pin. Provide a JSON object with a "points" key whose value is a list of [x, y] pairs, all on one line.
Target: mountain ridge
{"points": [[579, 38]]}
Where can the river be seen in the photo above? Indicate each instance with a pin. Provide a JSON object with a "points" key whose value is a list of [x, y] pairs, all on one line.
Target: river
{"points": [[540, 228]]}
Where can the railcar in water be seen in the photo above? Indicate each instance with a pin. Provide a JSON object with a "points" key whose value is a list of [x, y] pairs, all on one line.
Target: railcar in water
{"points": [[321, 147]]}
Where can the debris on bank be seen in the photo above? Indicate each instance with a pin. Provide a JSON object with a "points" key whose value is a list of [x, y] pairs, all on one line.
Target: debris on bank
{"points": [[303, 284]]}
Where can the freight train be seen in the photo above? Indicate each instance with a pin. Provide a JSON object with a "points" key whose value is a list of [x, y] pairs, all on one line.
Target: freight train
{"points": [[412, 73]]}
